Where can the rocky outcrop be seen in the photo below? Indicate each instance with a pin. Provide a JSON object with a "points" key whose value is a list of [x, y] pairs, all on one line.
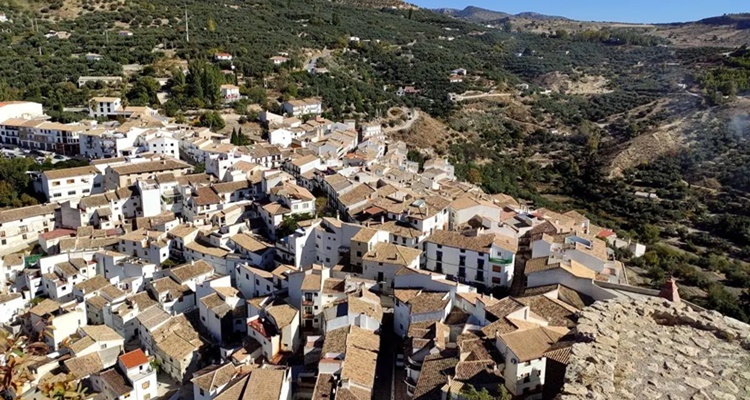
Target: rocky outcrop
{"points": [[656, 349]]}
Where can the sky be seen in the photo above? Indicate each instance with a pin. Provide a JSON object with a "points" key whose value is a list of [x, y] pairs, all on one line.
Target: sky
{"points": [[639, 11]]}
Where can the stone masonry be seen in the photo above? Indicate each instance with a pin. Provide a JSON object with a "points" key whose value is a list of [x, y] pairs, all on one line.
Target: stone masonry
{"points": [[656, 349]]}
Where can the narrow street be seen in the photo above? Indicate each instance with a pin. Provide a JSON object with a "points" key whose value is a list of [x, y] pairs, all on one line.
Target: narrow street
{"points": [[386, 360]]}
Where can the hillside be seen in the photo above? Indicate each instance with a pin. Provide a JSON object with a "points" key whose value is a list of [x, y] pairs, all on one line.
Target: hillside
{"points": [[557, 112], [484, 16]]}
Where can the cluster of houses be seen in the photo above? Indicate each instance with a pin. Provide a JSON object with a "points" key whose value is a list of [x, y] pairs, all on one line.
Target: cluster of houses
{"points": [[265, 276]]}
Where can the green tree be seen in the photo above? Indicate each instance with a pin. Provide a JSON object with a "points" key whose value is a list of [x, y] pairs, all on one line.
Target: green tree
{"points": [[213, 120], [199, 168], [648, 233], [211, 25], [474, 176], [471, 393]]}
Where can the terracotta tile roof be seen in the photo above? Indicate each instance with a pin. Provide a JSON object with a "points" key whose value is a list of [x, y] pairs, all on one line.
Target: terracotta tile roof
{"points": [[276, 209], [428, 302], [215, 376], [554, 311], [150, 167], [81, 367], [169, 286], [133, 359], [13, 259], [230, 187], [152, 318], [47, 306], [505, 307], [216, 304], [356, 195], [115, 382], [82, 344], [266, 384], [335, 341], [359, 366], [324, 387], [205, 196], [210, 250], [70, 172], [16, 214], [182, 231], [436, 369], [92, 284], [392, 254], [361, 304], [334, 285], [282, 314], [542, 264], [561, 355], [531, 344], [101, 333], [257, 271], [311, 282], [97, 302], [250, 243]]}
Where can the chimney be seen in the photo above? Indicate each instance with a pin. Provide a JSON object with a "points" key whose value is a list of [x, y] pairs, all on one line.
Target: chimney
{"points": [[669, 291]]}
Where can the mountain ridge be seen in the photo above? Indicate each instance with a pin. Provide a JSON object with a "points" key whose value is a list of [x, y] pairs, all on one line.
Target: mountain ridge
{"points": [[483, 15]]}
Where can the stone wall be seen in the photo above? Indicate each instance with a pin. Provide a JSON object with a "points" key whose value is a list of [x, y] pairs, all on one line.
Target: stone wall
{"points": [[656, 349]]}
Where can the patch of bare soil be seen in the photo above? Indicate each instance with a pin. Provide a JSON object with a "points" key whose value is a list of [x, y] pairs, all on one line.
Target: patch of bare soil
{"points": [[576, 84], [649, 146], [426, 133]]}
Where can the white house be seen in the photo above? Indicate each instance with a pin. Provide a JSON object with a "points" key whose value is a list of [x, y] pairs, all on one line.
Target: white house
{"points": [[278, 60], [525, 360], [210, 381], [222, 57], [485, 259], [385, 260], [230, 93], [102, 107], [298, 108], [20, 227], [61, 185]]}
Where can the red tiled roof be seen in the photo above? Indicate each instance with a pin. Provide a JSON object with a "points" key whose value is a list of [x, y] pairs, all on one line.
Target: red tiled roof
{"points": [[133, 359], [263, 327], [605, 233], [57, 233]]}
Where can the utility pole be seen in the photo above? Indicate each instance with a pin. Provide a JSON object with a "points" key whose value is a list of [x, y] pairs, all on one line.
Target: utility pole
{"points": [[187, 25]]}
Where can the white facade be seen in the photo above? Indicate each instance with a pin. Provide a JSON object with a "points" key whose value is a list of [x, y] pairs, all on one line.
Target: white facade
{"points": [[21, 227], [102, 107], [72, 184], [165, 145], [492, 268]]}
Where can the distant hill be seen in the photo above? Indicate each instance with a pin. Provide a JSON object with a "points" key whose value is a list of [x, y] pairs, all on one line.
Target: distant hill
{"points": [[483, 16], [739, 21]]}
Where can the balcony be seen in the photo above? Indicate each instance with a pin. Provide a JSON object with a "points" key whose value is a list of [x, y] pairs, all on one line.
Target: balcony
{"points": [[307, 302], [503, 261]]}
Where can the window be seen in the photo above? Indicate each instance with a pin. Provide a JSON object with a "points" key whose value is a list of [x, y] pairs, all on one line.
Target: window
{"points": [[461, 272], [56, 183], [69, 181], [71, 193], [359, 254], [480, 264], [462, 260], [202, 392], [439, 256]]}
